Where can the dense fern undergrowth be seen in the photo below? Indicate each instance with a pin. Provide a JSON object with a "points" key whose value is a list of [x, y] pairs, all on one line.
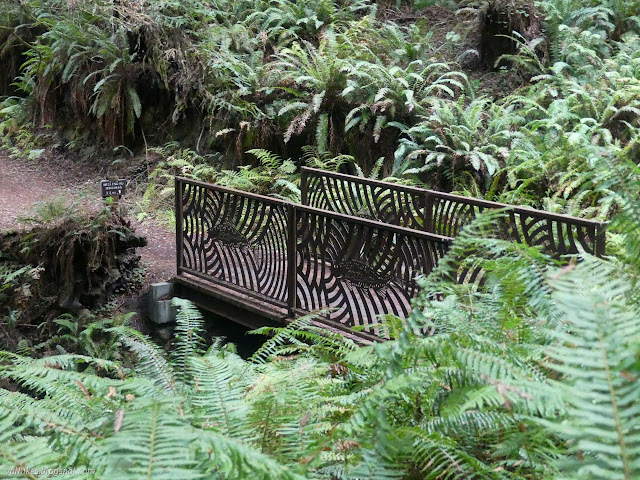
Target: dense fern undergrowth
{"points": [[532, 375], [535, 375]]}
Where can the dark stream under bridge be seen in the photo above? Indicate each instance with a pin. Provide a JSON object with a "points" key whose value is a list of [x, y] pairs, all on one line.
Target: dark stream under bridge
{"points": [[353, 247]]}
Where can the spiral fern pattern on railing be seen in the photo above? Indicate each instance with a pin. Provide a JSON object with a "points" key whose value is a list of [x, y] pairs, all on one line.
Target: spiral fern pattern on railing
{"points": [[235, 239], [339, 194], [446, 214], [360, 270], [449, 217], [556, 235]]}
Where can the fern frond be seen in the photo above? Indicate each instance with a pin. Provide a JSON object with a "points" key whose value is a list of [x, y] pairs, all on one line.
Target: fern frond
{"points": [[597, 354], [20, 452], [154, 440], [151, 361], [236, 459], [267, 158], [188, 335], [301, 335], [219, 396]]}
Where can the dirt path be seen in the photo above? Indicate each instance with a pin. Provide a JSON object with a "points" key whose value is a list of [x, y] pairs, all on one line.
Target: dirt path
{"points": [[20, 187], [23, 183]]}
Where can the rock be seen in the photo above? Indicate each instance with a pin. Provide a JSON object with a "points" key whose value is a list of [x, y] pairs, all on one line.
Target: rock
{"points": [[165, 334]]}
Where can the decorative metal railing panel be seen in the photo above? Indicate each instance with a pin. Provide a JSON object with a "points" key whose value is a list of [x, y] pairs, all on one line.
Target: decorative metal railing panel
{"points": [[398, 206], [360, 269], [235, 238], [556, 234], [446, 214]]}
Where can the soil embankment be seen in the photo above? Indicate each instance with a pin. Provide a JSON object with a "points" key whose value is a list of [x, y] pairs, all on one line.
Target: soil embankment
{"points": [[24, 183]]}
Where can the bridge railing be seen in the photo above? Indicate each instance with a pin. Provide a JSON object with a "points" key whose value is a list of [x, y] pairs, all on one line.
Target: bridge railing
{"points": [[446, 214], [301, 258], [360, 268], [239, 240]]}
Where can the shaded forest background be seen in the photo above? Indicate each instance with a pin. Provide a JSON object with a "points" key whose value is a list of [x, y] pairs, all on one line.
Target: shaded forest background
{"points": [[510, 100], [532, 375]]}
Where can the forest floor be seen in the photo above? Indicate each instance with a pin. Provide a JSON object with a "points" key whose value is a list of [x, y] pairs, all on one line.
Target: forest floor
{"points": [[23, 183]]}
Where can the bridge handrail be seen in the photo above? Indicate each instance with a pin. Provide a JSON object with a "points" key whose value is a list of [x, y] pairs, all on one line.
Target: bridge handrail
{"points": [[327, 213], [445, 196], [300, 258], [240, 193]]}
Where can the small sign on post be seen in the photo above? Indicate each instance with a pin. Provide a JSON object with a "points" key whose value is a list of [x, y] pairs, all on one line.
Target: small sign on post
{"points": [[113, 188]]}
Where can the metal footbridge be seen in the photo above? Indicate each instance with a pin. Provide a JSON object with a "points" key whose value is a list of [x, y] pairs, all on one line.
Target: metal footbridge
{"points": [[351, 250]]}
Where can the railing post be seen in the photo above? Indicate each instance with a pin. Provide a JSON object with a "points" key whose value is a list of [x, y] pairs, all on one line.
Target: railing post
{"points": [[428, 212], [292, 247], [304, 179], [601, 233], [179, 224]]}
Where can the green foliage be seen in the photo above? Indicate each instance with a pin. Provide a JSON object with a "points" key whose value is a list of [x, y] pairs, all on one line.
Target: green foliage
{"points": [[53, 212], [474, 136], [345, 79], [84, 335], [532, 373], [167, 418], [599, 353]]}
